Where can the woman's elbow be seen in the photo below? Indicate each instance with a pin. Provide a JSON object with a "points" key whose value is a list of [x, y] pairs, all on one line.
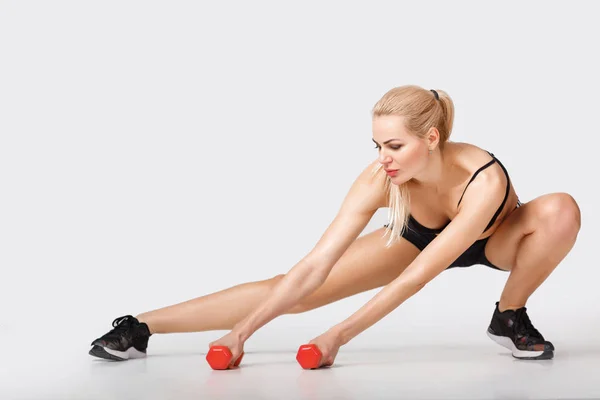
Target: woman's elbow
{"points": [[317, 268], [318, 276], [417, 281], [416, 286]]}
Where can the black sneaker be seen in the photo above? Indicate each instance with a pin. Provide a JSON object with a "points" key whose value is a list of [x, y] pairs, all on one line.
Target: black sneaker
{"points": [[513, 330], [128, 339]]}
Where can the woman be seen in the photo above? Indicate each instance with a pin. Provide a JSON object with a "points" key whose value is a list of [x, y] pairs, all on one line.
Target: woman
{"points": [[450, 205]]}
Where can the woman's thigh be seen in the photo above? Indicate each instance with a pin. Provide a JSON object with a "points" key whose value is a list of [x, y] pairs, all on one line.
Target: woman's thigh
{"points": [[503, 244]]}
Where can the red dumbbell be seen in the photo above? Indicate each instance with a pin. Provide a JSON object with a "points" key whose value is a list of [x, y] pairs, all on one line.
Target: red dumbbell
{"points": [[309, 356], [219, 357]]}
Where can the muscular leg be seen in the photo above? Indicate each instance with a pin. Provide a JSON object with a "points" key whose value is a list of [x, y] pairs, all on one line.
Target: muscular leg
{"points": [[366, 265], [531, 242]]}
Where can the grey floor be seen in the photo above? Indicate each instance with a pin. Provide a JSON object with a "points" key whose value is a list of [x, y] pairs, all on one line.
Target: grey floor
{"points": [[478, 371]]}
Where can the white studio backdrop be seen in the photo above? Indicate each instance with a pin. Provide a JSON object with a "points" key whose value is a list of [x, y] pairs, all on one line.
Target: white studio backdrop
{"points": [[153, 152]]}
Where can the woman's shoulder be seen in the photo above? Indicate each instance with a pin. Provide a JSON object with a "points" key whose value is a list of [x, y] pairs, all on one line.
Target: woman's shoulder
{"points": [[476, 162], [370, 185], [469, 156], [466, 161]]}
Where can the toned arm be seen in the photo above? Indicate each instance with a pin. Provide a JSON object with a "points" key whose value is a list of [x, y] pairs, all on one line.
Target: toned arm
{"points": [[365, 196], [479, 205]]}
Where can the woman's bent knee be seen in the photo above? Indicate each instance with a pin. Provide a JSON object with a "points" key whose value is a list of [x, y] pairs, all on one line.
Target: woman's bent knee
{"points": [[561, 212]]}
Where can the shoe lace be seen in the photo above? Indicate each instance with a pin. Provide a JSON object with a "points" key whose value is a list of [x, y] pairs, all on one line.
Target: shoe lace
{"points": [[525, 326], [120, 325]]}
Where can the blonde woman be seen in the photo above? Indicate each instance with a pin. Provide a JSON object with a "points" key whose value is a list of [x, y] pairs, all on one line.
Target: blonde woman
{"points": [[450, 205]]}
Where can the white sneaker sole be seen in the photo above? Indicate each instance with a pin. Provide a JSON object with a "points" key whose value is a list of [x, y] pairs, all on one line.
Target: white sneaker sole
{"points": [[115, 355], [131, 352], [521, 354]]}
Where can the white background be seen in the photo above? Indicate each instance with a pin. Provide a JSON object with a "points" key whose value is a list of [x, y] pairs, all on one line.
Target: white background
{"points": [[153, 152]]}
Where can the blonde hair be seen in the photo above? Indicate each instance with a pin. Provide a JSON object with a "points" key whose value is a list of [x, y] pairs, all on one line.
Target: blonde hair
{"points": [[421, 111]]}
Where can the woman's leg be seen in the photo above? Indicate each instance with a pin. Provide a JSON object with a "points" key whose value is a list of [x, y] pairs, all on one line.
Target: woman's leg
{"points": [[531, 242], [366, 265]]}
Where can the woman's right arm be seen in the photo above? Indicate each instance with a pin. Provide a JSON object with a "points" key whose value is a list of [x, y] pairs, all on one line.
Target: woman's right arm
{"points": [[365, 196]]}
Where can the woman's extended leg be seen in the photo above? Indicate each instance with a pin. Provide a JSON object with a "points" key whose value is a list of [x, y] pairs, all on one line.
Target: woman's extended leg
{"points": [[366, 265]]}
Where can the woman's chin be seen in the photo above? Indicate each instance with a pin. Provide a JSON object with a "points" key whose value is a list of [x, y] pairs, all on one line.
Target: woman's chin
{"points": [[399, 179]]}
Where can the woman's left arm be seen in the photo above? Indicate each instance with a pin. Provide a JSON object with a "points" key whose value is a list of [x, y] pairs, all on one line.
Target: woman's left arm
{"points": [[478, 206]]}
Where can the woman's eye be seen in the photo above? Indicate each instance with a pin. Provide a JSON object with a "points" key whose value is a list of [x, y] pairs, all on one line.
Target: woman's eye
{"points": [[392, 147]]}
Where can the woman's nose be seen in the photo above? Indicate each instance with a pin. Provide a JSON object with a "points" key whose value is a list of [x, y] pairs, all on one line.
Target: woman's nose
{"points": [[384, 158]]}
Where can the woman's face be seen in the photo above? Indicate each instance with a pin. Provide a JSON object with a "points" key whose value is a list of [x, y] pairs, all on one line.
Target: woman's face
{"points": [[401, 153]]}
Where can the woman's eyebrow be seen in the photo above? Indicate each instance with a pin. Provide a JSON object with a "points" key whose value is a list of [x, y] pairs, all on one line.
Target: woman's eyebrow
{"points": [[386, 142]]}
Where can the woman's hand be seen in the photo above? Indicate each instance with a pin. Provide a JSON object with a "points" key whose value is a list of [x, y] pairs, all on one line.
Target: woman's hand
{"points": [[329, 344], [234, 342]]}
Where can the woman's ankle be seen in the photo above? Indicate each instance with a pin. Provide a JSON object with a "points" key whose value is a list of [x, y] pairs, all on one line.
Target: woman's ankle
{"points": [[143, 319]]}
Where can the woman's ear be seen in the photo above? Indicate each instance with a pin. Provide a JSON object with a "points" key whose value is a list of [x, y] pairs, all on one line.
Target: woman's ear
{"points": [[433, 137]]}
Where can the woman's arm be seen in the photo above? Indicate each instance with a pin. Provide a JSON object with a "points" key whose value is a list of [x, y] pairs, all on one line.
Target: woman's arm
{"points": [[365, 196], [477, 208]]}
